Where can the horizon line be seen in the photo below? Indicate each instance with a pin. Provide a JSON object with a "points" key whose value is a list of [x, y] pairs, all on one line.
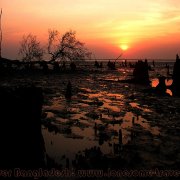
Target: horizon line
{"points": [[115, 59]]}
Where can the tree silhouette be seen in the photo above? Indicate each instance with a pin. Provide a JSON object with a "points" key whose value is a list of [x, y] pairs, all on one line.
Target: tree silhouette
{"points": [[30, 48], [66, 47]]}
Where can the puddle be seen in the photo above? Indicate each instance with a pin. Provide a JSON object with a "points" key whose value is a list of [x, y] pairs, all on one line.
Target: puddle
{"points": [[131, 120], [101, 107], [136, 105], [95, 116], [85, 135], [168, 82], [57, 145], [169, 92]]}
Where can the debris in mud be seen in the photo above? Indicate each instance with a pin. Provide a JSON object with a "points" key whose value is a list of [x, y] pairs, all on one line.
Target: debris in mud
{"points": [[92, 115], [149, 123]]}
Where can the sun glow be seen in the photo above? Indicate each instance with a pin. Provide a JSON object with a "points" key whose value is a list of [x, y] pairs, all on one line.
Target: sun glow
{"points": [[124, 47], [141, 28]]}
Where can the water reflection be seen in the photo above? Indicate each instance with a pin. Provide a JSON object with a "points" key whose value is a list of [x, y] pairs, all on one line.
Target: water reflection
{"points": [[128, 123], [57, 146], [108, 135], [168, 82], [94, 117], [136, 105], [155, 82]]}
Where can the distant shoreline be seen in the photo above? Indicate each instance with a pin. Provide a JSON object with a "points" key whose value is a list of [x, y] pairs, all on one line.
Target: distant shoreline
{"points": [[113, 59]]}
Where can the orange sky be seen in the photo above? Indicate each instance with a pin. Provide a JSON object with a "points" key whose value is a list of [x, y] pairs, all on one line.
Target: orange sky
{"points": [[145, 28]]}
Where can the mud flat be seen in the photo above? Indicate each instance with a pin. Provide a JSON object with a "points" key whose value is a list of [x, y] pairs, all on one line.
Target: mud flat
{"points": [[107, 124]]}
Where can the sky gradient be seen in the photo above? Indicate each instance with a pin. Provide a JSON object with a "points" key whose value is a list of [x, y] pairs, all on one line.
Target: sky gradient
{"points": [[136, 28]]}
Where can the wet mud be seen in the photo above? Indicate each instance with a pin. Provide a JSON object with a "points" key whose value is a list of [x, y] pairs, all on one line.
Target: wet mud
{"points": [[109, 119]]}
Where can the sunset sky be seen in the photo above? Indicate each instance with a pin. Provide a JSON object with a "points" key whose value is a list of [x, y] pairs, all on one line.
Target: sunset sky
{"points": [[138, 28]]}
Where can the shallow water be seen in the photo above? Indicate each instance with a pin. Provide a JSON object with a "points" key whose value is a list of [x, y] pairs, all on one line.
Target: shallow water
{"points": [[100, 102], [101, 107], [168, 82]]}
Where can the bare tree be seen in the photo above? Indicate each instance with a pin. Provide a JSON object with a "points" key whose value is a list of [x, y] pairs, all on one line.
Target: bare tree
{"points": [[66, 47], [30, 48], [53, 43]]}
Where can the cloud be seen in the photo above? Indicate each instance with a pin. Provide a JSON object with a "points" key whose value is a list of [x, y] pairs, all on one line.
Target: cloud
{"points": [[171, 15]]}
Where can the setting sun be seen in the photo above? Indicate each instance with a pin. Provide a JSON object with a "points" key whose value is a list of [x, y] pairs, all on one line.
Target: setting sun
{"points": [[124, 47], [141, 28]]}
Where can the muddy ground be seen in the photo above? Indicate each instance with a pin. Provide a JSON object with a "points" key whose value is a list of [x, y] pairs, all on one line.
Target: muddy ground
{"points": [[100, 110]]}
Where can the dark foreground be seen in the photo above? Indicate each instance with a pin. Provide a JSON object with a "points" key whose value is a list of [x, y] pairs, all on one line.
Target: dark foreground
{"points": [[106, 125]]}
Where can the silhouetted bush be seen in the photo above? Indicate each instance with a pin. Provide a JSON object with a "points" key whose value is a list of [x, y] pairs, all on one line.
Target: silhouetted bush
{"points": [[140, 73], [111, 65]]}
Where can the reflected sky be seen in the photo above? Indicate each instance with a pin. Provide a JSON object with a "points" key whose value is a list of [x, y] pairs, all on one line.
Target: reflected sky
{"points": [[155, 82], [93, 118]]}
